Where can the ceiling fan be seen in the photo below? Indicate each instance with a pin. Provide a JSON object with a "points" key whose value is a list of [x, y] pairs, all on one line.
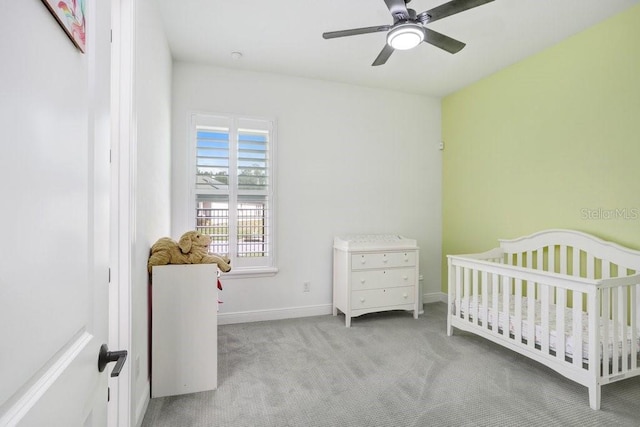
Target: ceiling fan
{"points": [[409, 29]]}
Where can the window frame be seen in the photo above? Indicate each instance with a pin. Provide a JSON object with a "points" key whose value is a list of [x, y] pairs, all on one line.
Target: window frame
{"points": [[240, 266]]}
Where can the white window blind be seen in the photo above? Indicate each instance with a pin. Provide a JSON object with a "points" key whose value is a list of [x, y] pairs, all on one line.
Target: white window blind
{"points": [[234, 189]]}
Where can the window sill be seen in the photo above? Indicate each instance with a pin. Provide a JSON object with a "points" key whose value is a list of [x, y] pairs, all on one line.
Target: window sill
{"points": [[249, 272]]}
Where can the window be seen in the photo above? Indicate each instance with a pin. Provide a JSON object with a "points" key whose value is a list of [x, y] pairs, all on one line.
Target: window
{"points": [[233, 188]]}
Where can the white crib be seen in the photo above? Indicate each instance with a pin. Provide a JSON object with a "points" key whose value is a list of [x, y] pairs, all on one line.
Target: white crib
{"points": [[564, 298]]}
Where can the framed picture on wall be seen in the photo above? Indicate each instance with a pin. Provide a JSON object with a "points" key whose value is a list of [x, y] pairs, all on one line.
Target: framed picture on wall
{"points": [[70, 15]]}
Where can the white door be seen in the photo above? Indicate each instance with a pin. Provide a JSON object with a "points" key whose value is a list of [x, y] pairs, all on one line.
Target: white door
{"points": [[54, 217]]}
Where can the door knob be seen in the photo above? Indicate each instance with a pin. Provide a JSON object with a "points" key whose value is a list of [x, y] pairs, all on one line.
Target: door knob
{"points": [[105, 356]]}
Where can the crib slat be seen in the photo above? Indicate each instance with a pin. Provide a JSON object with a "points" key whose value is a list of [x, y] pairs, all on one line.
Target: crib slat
{"points": [[520, 257], [506, 304], [551, 263], [484, 292], [458, 290], [591, 266], [575, 265], [622, 323], [544, 318], [531, 315], [517, 321], [528, 261], [615, 335], [635, 304], [495, 282], [475, 275], [605, 321], [561, 303], [565, 266], [467, 293], [594, 299], [577, 328], [606, 269], [540, 259]]}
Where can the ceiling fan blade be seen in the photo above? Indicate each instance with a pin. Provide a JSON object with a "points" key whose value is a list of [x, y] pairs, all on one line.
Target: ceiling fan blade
{"points": [[398, 9], [451, 8], [383, 55], [443, 42], [355, 31]]}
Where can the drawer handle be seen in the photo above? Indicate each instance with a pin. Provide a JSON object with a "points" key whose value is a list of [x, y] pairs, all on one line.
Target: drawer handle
{"points": [[405, 295], [361, 299], [362, 281], [385, 260], [363, 261], [405, 277]]}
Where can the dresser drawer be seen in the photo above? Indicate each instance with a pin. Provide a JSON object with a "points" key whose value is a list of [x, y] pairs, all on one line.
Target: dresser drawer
{"points": [[383, 260], [386, 297], [387, 278]]}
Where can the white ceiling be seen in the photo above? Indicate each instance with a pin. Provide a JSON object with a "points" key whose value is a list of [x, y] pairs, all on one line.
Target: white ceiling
{"points": [[285, 36]]}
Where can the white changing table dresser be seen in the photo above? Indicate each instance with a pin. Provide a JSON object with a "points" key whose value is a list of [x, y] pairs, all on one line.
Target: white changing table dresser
{"points": [[184, 331], [374, 272]]}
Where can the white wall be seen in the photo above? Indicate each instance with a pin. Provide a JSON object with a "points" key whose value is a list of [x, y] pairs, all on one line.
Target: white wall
{"points": [[350, 160], [151, 181]]}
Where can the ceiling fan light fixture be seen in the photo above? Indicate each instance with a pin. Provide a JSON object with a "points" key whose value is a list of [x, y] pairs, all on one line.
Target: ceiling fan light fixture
{"points": [[405, 36]]}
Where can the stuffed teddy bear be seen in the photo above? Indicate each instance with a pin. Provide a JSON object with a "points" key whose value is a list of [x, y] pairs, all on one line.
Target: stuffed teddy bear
{"points": [[191, 249]]}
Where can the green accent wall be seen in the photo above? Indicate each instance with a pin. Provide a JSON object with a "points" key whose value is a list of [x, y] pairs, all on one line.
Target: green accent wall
{"points": [[550, 142]]}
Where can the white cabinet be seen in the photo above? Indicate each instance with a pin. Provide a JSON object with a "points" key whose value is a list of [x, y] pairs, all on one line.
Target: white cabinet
{"points": [[374, 273], [184, 329]]}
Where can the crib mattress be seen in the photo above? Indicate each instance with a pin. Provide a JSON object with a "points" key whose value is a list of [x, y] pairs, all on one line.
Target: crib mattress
{"points": [[568, 316]]}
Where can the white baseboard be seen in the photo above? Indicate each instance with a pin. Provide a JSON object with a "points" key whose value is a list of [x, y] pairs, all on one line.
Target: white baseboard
{"points": [[293, 312], [273, 314], [434, 297]]}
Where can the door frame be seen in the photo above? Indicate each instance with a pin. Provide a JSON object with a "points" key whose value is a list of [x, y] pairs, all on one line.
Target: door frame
{"points": [[122, 213]]}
